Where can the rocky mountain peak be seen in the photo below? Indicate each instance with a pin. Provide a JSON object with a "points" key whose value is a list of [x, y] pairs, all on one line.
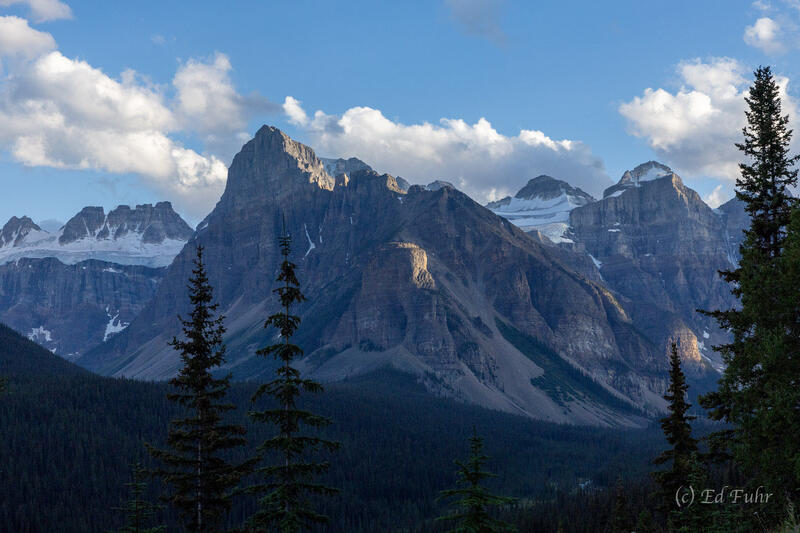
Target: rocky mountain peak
{"points": [[546, 188], [439, 184], [145, 235], [542, 205], [274, 162], [15, 231], [153, 224], [649, 171], [343, 169]]}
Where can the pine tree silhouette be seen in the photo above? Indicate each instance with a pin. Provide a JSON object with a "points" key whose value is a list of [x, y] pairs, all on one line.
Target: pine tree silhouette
{"points": [[289, 483]]}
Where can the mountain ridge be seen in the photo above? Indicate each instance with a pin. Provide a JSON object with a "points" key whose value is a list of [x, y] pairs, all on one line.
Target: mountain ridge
{"points": [[414, 279]]}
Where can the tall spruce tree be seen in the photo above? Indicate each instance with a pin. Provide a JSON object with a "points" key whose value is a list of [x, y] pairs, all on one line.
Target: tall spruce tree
{"points": [[473, 500], [620, 520], [195, 465], [683, 447], [289, 484], [139, 511], [762, 362]]}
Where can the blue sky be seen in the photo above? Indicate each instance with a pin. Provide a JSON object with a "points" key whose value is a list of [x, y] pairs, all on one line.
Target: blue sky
{"points": [[562, 88]]}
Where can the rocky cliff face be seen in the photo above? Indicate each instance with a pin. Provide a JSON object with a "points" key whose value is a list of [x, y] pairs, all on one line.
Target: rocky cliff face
{"points": [[54, 289], [70, 308], [423, 280], [151, 224], [659, 246]]}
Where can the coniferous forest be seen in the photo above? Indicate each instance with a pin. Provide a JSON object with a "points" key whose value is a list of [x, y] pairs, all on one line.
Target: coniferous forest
{"points": [[379, 453]]}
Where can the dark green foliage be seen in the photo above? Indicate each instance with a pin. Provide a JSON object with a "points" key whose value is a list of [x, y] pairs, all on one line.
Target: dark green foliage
{"points": [[285, 505], [195, 465], [621, 515], [767, 175], [67, 438], [473, 500], [683, 447], [645, 523], [139, 511], [758, 392]]}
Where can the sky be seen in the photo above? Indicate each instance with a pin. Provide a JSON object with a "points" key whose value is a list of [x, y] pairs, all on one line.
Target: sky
{"points": [[136, 102]]}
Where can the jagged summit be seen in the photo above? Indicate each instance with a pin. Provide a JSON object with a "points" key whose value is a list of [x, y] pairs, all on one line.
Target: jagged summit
{"points": [[649, 171], [543, 204], [15, 231], [547, 187], [145, 235], [439, 184], [416, 280]]}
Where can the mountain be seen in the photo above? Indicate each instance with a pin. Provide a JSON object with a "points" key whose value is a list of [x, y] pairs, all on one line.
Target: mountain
{"points": [[735, 221], [659, 246], [73, 289], [654, 243], [425, 281], [543, 204], [147, 235], [650, 171]]}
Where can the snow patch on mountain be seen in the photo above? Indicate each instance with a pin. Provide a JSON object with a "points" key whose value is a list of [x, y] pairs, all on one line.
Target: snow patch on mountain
{"points": [[127, 250], [40, 335], [544, 205], [650, 171], [114, 325], [311, 244], [147, 235]]}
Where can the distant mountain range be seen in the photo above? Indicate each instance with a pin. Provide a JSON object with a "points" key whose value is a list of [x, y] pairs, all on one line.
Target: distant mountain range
{"points": [[74, 288], [550, 304]]}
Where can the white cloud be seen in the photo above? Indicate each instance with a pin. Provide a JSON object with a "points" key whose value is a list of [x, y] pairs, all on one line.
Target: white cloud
{"points": [[479, 17], [295, 112], [207, 102], [718, 196], [694, 129], [64, 113], [475, 157], [18, 39], [43, 10], [765, 34]]}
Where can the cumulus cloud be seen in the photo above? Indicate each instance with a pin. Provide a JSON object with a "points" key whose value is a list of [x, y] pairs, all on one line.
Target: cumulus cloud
{"points": [[718, 196], [295, 112], [18, 39], [61, 112], [43, 10], [481, 18], [765, 34], [64, 113], [477, 158], [694, 128], [208, 103]]}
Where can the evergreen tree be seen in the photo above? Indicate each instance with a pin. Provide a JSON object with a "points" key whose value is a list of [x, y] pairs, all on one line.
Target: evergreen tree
{"points": [[678, 433], [285, 504], [195, 465], [139, 512], [759, 385], [620, 521], [473, 499], [645, 523]]}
